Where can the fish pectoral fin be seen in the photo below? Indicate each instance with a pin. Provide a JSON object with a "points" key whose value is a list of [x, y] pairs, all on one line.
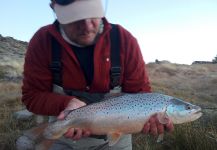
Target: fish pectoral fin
{"points": [[163, 118], [114, 137]]}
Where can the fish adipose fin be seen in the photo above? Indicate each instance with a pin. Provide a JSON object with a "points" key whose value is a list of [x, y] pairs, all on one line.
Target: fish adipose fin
{"points": [[114, 137]]}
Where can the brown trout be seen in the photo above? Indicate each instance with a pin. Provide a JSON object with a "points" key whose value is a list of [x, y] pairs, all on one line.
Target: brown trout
{"points": [[125, 114]]}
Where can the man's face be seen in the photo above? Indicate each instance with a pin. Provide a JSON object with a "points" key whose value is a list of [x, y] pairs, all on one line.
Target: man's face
{"points": [[82, 32]]}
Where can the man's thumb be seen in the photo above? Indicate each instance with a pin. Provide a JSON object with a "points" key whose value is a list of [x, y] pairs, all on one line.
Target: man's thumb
{"points": [[61, 116]]}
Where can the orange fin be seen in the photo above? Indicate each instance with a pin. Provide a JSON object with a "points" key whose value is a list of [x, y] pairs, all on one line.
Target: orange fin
{"points": [[114, 137]]}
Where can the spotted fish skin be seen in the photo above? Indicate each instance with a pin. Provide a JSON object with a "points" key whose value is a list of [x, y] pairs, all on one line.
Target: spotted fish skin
{"points": [[124, 114]]}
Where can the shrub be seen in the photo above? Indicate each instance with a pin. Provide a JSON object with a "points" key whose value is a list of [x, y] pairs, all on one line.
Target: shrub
{"points": [[215, 60]]}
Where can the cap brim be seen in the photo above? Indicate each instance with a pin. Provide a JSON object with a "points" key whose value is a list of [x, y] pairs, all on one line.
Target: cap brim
{"points": [[79, 10]]}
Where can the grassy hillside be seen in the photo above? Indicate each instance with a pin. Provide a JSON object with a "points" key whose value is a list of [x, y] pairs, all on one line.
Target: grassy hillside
{"points": [[196, 82]]}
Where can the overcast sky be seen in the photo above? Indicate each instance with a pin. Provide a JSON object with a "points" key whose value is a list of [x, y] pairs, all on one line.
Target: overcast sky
{"points": [[180, 31]]}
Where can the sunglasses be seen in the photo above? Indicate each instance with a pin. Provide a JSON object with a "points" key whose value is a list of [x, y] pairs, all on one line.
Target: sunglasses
{"points": [[64, 2]]}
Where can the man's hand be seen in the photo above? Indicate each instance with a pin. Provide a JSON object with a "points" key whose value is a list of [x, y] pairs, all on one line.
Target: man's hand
{"points": [[73, 133], [154, 127]]}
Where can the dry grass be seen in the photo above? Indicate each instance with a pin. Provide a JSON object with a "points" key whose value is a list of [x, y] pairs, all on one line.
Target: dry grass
{"points": [[11, 67], [192, 136], [195, 82], [11, 129], [10, 93]]}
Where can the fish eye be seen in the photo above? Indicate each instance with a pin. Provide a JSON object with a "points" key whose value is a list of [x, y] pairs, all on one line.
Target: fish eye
{"points": [[188, 107]]}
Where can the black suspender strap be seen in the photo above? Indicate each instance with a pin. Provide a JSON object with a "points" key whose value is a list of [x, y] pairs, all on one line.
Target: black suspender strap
{"points": [[56, 65], [115, 57]]}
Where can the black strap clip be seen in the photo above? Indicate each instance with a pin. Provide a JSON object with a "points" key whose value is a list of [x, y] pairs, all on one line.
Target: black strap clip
{"points": [[115, 76], [56, 66]]}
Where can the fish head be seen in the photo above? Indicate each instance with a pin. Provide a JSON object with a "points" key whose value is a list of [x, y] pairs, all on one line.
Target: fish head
{"points": [[181, 112]]}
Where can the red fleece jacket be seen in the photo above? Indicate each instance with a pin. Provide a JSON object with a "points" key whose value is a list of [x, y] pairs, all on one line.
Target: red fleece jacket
{"points": [[37, 92]]}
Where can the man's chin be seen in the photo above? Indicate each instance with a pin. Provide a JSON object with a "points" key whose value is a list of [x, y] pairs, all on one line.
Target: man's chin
{"points": [[86, 42]]}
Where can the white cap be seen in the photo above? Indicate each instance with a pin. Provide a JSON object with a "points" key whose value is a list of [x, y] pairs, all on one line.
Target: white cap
{"points": [[78, 10]]}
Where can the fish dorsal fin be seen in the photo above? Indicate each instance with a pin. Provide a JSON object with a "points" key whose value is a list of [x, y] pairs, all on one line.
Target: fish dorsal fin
{"points": [[163, 118], [114, 137]]}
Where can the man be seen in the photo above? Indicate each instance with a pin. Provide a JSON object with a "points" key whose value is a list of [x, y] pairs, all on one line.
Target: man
{"points": [[82, 34]]}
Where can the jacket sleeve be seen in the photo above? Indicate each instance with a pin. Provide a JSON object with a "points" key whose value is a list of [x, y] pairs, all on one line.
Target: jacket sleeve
{"points": [[37, 92], [135, 76]]}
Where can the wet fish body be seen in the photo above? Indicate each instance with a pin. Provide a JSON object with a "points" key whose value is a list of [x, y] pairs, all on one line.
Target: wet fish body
{"points": [[124, 114]]}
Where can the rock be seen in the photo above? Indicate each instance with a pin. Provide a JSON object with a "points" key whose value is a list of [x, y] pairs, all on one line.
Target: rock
{"points": [[25, 143], [23, 115]]}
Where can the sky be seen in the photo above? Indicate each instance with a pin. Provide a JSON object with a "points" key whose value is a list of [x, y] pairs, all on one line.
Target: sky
{"points": [[180, 31]]}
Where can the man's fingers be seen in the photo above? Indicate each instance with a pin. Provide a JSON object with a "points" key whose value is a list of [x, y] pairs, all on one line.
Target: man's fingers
{"points": [[61, 116], [160, 128], [70, 133], [153, 119], [153, 129], [169, 127], [146, 128], [153, 126], [77, 135], [86, 133], [73, 104]]}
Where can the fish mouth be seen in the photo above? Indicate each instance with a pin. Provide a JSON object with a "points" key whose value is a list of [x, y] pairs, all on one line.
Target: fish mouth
{"points": [[198, 112]]}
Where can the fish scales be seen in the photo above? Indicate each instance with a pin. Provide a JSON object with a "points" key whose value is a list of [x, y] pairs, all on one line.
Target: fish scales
{"points": [[123, 114]]}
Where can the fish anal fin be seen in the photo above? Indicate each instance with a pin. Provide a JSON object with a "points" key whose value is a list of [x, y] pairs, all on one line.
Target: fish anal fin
{"points": [[114, 137], [163, 118]]}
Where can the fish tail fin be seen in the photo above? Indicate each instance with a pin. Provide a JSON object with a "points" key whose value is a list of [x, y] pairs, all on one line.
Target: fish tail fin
{"points": [[32, 138], [44, 145]]}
